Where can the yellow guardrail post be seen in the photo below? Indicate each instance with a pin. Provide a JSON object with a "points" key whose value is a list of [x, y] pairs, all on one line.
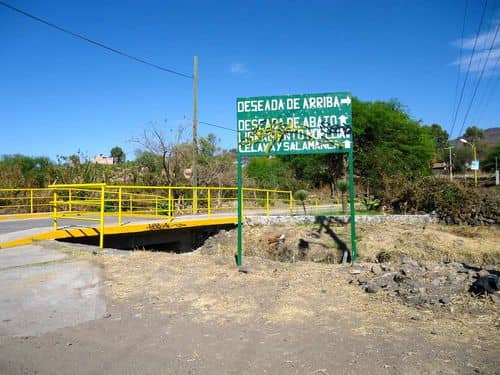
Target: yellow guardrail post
{"points": [[156, 205], [267, 204], [291, 202], [70, 197], [209, 202], [130, 202], [101, 223], [31, 200], [195, 200], [169, 206], [316, 203], [54, 211], [119, 206]]}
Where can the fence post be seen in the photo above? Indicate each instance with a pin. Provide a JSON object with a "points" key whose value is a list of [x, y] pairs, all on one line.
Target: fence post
{"points": [[267, 203], [195, 200], [101, 230], [130, 201], [119, 206], [31, 200], [291, 203], [70, 197], [169, 213], [156, 205], [54, 211], [209, 202]]}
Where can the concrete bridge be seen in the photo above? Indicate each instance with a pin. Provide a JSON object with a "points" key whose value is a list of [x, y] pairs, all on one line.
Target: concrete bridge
{"points": [[130, 216]]}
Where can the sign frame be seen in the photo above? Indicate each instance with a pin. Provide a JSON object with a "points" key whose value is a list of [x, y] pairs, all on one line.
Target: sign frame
{"points": [[261, 136]]}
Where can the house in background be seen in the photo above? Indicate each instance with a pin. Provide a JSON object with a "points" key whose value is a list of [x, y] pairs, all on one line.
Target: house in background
{"points": [[101, 159], [440, 168]]}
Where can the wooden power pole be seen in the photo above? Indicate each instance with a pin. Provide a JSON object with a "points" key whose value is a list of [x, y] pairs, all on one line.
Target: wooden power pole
{"points": [[194, 170]]}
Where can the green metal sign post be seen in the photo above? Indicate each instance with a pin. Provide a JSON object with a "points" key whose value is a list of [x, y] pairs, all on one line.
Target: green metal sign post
{"points": [[295, 124]]}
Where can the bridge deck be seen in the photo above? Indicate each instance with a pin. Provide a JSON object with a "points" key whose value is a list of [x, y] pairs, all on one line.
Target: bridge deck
{"points": [[22, 231]]}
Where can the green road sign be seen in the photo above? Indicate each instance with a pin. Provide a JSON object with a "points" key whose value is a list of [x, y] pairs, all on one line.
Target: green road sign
{"points": [[294, 124]]}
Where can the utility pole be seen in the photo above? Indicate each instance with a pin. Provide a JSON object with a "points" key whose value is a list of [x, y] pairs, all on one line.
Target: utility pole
{"points": [[194, 169], [450, 165], [497, 174]]}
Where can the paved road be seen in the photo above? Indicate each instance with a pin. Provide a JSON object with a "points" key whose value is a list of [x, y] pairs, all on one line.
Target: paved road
{"points": [[43, 289]]}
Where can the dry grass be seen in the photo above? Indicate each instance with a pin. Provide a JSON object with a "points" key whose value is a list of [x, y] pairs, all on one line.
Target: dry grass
{"points": [[430, 242], [209, 288]]}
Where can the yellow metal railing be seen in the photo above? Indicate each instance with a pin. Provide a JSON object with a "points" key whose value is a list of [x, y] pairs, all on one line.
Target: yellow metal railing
{"points": [[95, 202]]}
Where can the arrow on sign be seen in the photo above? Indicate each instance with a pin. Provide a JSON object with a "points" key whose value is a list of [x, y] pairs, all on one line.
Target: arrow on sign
{"points": [[343, 120], [346, 100]]}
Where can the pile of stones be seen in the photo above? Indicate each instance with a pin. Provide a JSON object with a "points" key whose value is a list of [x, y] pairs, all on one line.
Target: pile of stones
{"points": [[429, 283]]}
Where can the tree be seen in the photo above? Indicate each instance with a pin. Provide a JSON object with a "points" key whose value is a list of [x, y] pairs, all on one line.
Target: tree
{"points": [[387, 142], [301, 195], [174, 153], [488, 164], [215, 168], [35, 171], [473, 134], [118, 155], [343, 186], [270, 173], [439, 135]]}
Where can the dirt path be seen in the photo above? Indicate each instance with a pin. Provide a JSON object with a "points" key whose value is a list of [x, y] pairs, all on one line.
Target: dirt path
{"points": [[195, 314]]}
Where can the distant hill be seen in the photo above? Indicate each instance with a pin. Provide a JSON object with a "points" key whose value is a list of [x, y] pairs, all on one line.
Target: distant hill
{"points": [[491, 137]]}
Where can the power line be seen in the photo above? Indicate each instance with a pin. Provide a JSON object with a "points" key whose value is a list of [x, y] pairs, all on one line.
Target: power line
{"points": [[468, 69], [483, 102], [213, 125], [459, 59], [82, 37], [479, 79]]}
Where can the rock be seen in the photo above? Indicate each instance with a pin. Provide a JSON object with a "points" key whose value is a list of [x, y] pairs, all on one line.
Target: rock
{"points": [[376, 269], [386, 267], [453, 279], [495, 298], [489, 284], [409, 261], [372, 288], [355, 271], [399, 278], [107, 315], [407, 270], [483, 273], [362, 280], [491, 268], [445, 300], [436, 282]]}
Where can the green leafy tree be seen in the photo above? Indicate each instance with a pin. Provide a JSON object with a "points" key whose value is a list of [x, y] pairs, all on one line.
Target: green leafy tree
{"points": [[473, 134], [270, 173], [118, 155], [387, 142], [488, 164]]}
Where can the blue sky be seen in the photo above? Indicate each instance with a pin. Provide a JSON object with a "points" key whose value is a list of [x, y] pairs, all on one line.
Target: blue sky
{"points": [[59, 95]]}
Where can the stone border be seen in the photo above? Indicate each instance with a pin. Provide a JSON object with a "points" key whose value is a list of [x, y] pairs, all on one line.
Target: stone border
{"points": [[344, 219]]}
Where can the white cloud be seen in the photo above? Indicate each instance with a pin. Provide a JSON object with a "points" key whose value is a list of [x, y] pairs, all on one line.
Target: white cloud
{"points": [[238, 68], [483, 44], [478, 60], [484, 41]]}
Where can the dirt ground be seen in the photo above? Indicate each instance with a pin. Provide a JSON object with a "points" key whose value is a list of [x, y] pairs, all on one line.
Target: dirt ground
{"points": [[194, 313]]}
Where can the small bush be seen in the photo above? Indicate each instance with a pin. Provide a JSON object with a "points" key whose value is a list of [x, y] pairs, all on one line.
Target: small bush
{"points": [[450, 201]]}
